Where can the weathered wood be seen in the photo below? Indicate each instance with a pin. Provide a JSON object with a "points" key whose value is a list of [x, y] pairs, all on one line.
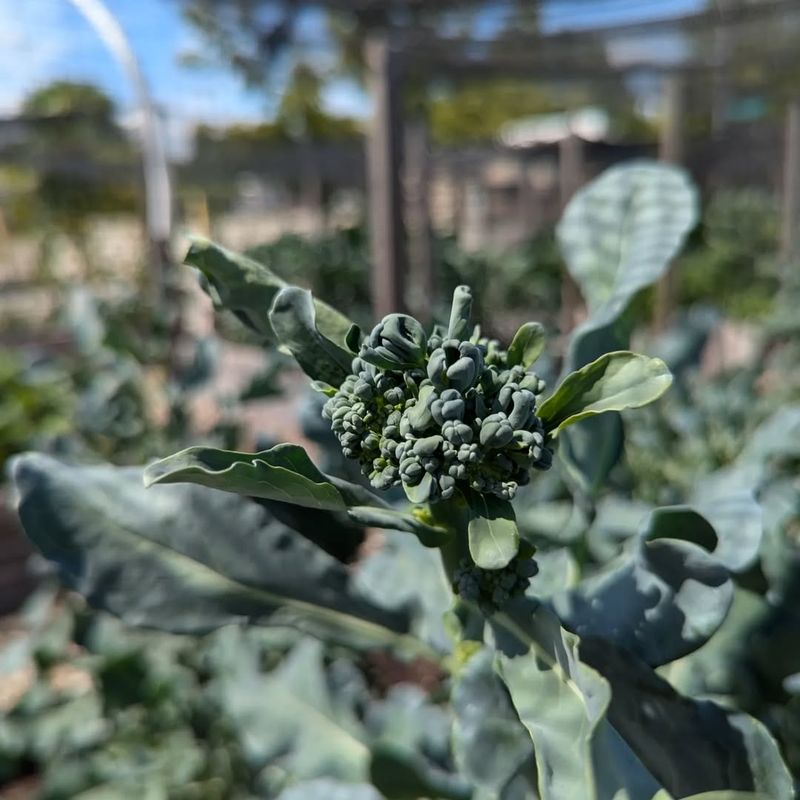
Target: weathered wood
{"points": [[422, 279], [384, 170], [672, 144], [790, 233], [672, 150], [571, 176]]}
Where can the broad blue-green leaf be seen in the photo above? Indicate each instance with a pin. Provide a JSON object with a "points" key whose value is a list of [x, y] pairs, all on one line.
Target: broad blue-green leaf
{"points": [[681, 346], [354, 494], [619, 233], [558, 521], [590, 449], [527, 345], [248, 288], [492, 531], [416, 732], [294, 319], [371, 517], [777, 437], [401, 576], [613, 382], [661, 602], [605, 726], [682, 523], [289, 716], [592, 339], [557, 573], [617, 521], [562, 702], [617, 236], [333, 531], [730, 526], [715, 669], [691, 746], [715, 796], [410, 717], [330, 790], [188, 559], [285, 473], [402, 774], [489, 742]]}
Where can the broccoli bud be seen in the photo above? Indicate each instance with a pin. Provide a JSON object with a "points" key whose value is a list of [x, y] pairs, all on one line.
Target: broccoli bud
{"points": [[492, 589], [397, 342], [441, 407]]}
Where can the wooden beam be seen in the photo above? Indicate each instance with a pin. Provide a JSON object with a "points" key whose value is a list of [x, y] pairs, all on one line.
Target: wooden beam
{"points": [[384, 166], [672, 150], [422, 279], [571, 176], [672, 143], [790, 227]]}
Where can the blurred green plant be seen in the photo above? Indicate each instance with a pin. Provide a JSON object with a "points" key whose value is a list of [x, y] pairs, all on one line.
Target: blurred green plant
{"points": [[556, 676], [77, 162], [35, 403], [522, 280], [733, 261]]}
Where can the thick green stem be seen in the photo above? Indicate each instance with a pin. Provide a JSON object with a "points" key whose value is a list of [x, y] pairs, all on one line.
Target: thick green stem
{"points": [[455, 515]]}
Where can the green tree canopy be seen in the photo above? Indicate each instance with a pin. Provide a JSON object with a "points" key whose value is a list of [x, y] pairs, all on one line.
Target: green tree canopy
{"points": [[69, 97], [476, 111]]}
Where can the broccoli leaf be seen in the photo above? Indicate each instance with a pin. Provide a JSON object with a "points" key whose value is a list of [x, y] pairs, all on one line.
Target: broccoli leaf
{"points": [[493, 534], [189, 559], [248, 288], [284, 473], [613, 382], [372, 517], [293, 317], [527, 345]]}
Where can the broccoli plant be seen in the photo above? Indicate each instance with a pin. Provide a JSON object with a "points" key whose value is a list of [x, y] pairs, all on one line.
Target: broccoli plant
{"points": [[552, 683]]}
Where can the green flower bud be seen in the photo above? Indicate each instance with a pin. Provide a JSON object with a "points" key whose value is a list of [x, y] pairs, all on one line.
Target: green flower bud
{"points": [[533, 383], [411, 471], [447, 486], [427, 446], [448, 406], [524, 403], [397, 342], [456, 432], [496, 431], [419, 417], [460, 312]]}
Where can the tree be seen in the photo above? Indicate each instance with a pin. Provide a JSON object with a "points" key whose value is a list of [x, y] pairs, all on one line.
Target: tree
{"points": [[70, 97], [78, 159], [476, 111], [300, 113]]}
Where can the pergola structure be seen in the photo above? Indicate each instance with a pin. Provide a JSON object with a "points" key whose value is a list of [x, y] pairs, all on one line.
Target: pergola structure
{"points": [[395, 53]]}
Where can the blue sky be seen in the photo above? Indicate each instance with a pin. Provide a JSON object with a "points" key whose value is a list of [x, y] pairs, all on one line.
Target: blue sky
{"points": [[43, 40]]}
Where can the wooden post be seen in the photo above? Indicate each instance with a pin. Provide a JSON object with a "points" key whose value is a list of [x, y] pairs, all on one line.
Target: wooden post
{"points": [[672, 150], [473, 222], [422, 289], [384, 165], [672, 147], [527, 207], [721, 76], [571, 168], [790, 228], [571, 176]]}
